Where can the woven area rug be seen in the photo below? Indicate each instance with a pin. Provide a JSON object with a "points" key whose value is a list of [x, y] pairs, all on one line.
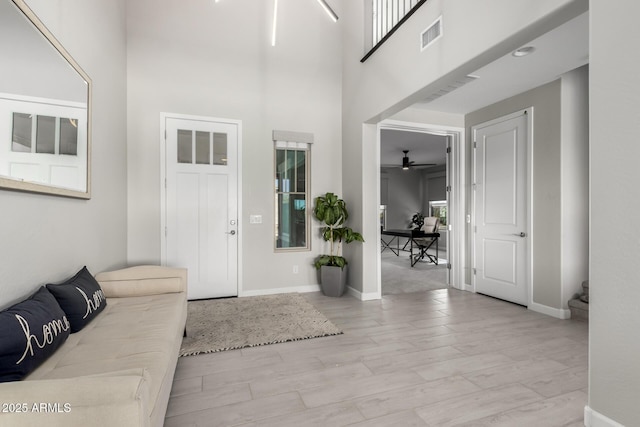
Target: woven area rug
{"points": [[233, 323]]}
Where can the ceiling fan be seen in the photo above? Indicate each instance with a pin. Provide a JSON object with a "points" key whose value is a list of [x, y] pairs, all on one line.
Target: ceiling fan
{"points": [[407, 164]]}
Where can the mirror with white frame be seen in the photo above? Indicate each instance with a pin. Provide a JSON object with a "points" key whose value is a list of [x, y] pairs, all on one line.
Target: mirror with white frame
{"points": [[44, 109]]}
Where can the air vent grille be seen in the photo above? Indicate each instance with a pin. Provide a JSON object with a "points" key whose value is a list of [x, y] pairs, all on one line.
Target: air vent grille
{"points": [[431, 34], [450, 87]]}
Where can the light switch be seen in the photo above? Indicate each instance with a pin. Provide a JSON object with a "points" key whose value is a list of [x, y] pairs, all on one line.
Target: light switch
{"points": [[255, 219]]}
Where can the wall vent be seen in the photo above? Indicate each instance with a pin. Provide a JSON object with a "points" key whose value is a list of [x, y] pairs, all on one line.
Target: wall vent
{"points": [[431, 34], [450, 87]]}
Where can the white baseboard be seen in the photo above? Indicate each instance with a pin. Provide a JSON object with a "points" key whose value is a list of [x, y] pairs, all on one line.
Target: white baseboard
{"points": [[299, 289], [363, 296], [558, 313], [307, 288], [595, 419]]}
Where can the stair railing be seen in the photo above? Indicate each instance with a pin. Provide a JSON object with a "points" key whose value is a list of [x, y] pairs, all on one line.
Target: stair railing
{"points": [[388, 16]]}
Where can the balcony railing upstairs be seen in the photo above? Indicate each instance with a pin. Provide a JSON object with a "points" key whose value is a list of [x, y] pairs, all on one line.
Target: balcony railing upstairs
{"points": [[388, 16]]}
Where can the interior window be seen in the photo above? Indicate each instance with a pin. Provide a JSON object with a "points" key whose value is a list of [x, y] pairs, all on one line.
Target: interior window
{"points": [[291, 195], [438, 208]]}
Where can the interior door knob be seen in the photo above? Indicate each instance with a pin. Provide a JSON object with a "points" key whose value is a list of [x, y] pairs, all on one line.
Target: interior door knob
{"points": [[232, 232], [521, 234]]}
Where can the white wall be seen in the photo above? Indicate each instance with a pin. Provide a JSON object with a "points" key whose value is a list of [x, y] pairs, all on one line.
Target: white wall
{"points": [[215, 59], [574, 178], [47, 238], [614, 348], [37, 68], [398, 74]]}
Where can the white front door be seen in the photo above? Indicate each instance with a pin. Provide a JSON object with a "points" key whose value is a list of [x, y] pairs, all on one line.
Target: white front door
{"points": [[201, 204], [500, 208]]}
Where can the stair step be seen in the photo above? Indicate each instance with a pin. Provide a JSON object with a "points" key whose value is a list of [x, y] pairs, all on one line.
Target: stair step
{"points": [[579, 309]]}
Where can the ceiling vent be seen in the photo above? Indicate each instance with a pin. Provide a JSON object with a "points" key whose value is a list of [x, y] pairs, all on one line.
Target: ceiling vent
{"points": [[431, 34], [451, 87]]}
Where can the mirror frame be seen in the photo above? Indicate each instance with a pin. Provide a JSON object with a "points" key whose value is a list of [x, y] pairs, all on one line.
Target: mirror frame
{"points": [[11, 184]]}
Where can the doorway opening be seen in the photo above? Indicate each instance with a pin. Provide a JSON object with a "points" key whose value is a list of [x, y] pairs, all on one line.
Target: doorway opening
{"points": [[418, 179]]}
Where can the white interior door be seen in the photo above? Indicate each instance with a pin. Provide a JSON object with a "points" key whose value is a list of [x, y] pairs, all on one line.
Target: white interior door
{"points": [[201, 194], [500, 203]]}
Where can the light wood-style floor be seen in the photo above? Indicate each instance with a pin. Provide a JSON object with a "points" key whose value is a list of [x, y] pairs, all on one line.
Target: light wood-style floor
{"points": [[437, 358]]}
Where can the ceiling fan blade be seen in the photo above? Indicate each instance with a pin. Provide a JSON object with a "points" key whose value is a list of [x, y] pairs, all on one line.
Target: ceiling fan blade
{"points": [[406, 163], [413, 165]]}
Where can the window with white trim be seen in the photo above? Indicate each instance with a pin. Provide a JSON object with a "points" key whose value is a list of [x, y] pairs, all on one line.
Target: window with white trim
{"points": [[292, 166]]}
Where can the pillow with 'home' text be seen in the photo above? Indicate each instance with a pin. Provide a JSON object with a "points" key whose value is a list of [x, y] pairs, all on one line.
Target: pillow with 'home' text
{"points": [[30, 332], [80, 297]]}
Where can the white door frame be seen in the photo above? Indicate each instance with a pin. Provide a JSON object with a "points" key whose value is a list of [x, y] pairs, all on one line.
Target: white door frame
{"points": [[528, 112], [457, 200], [163, 181]]}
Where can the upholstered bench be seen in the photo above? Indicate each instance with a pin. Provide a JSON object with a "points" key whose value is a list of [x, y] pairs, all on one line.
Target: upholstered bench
{"points": [[117, 370]]}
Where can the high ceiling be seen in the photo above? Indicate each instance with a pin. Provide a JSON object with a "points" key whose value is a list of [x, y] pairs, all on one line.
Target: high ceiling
{"points": [[556, 52]]}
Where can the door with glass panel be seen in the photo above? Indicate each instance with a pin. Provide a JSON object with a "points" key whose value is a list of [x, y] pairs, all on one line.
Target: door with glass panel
{"points": [[201, 204]]}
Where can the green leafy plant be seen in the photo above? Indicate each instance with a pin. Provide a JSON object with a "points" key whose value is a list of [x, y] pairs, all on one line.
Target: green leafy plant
{"points": [[332, 212]]}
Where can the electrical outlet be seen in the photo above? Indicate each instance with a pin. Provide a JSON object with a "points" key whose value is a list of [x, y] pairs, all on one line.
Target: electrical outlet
{"points": [[255, 219], [295, 269]]}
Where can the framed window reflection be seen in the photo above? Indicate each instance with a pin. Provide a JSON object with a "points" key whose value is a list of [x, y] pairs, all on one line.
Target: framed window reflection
{"points": [[45, 106]]}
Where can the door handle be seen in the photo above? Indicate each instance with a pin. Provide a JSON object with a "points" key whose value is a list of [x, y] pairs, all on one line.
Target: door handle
{"points": [[232, 232], [521, 234]]}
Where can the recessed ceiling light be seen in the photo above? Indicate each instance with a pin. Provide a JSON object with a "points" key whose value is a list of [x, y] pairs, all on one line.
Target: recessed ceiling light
{"points": [[524, 51]]}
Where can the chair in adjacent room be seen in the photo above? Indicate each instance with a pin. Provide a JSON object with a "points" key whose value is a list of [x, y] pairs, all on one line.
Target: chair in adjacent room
{"points": [[423, 244]]}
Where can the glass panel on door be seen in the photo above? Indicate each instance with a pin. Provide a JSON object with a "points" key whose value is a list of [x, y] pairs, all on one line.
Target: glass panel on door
{"points": [[219, 148], [185, 148], [203, 148]]}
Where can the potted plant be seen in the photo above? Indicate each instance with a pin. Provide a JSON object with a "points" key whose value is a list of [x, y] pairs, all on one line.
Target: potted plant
{"points": [[332, 212], [418, 220]]}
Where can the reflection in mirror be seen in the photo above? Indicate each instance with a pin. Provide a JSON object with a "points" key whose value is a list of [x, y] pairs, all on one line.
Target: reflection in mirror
{"points": [[46, 135], [44, 109], [21, 141], [68, 136]]}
